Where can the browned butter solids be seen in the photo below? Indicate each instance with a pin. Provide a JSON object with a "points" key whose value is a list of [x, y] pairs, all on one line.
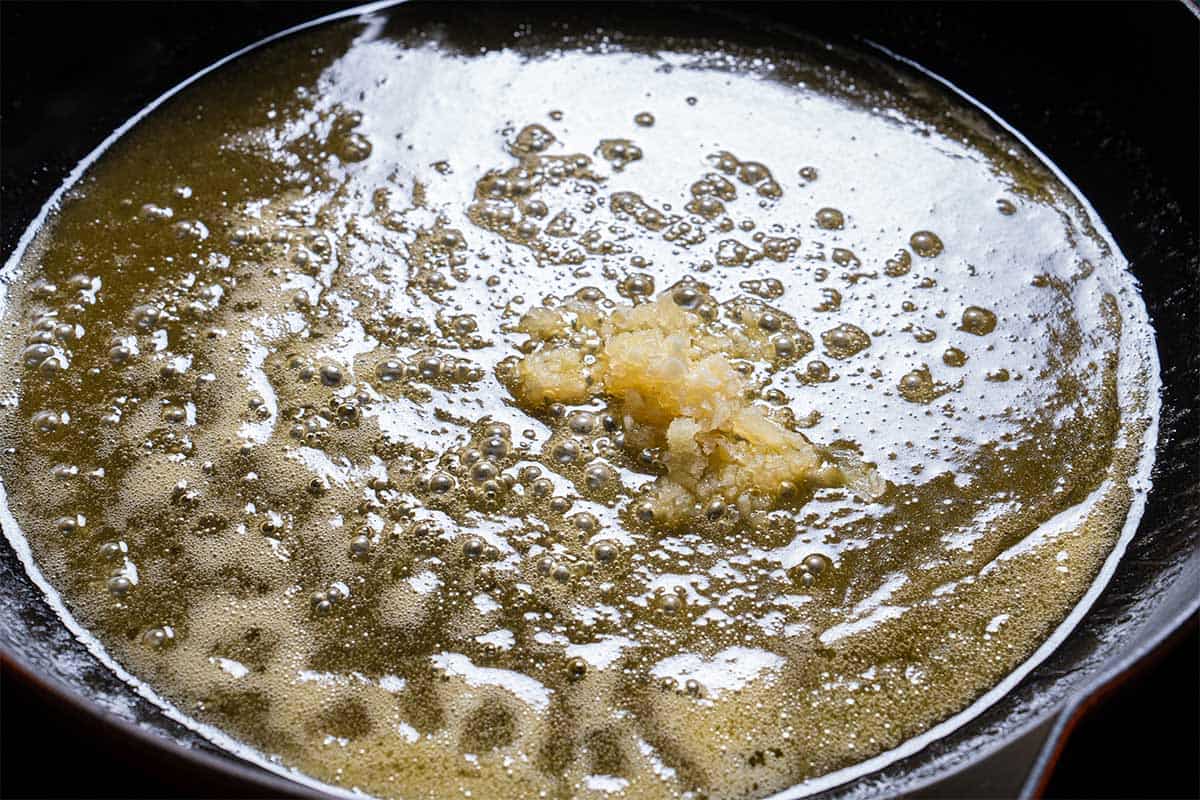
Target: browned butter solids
{"points": [[581, 415]]}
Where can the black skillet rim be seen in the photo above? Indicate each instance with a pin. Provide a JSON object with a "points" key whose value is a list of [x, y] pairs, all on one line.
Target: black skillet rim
{"points": [[1064, 711]]}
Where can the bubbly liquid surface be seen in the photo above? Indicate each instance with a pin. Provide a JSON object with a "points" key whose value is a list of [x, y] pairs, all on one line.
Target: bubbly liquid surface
{"points": [[267, 430]]}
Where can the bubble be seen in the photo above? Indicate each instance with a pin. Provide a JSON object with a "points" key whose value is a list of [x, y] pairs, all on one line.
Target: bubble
{"points": [[844, 258], [64, 471], [119, 585], [808, 173], [620, 152], [473, 547], [321, 603], [354, 147], [119, 354], [347, 412], [33, 355], [599, 476], [331, 375], [1006, 207], [770, 189], [686, 296], [145, 316], [441, 483], [954, 357], [770, 322], [784, 345], [917, 386], [845, 341], [496, 430], [715, 509], [816, 563], [560, 573], [50, 368], [645, 512], [707, 207], [605, 551], [590, 294], [429, 367], [752, 172], [156, 212], [174, 414], [484, 471], [669, 603], [497, 187], [830, 219], [585, 522], [645, 119], [360, 546], [46, 421], [496, 447], [638, 286], [158, 637], [582, 422], [565, 452], [532, 139], [67, 525], [43, 288], [978, 321], [542, 487], [925, 244], [576, 668]]}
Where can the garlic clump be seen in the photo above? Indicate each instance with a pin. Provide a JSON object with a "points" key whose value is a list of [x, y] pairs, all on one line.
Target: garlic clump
{"points": [[670, 374]]}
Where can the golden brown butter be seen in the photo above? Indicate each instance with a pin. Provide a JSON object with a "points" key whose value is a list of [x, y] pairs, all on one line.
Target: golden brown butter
{"points": [[575, 418]]}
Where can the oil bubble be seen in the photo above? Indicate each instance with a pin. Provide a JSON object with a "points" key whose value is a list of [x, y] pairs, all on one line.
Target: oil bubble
{"points": [[830, 219], [925, 244], [978, 321]]}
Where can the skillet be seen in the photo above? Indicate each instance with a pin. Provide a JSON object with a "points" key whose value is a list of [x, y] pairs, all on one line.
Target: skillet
{"points": [[1103, 137]]}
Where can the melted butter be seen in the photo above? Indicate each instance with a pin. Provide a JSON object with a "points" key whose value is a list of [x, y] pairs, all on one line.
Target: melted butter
{"points": [[263, 439]]}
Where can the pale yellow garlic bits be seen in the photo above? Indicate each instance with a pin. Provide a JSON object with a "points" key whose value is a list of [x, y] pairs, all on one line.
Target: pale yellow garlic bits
{"points": [[672, 376]]}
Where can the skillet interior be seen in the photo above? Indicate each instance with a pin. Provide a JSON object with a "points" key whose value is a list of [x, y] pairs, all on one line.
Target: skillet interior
{"points": [[1156, 581]]}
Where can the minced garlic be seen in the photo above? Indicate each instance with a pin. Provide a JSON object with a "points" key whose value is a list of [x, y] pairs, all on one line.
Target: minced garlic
{"points": [[672, 377]]}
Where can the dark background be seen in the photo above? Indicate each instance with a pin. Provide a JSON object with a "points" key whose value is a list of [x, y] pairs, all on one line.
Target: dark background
{"points": [[70, 73]]}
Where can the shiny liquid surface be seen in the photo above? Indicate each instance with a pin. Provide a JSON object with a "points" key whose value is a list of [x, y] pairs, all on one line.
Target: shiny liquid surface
{"points": [[284, 432]]}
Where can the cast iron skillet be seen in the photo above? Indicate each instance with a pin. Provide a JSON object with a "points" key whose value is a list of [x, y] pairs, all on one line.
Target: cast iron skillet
{"points": [[1075, 87]]}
